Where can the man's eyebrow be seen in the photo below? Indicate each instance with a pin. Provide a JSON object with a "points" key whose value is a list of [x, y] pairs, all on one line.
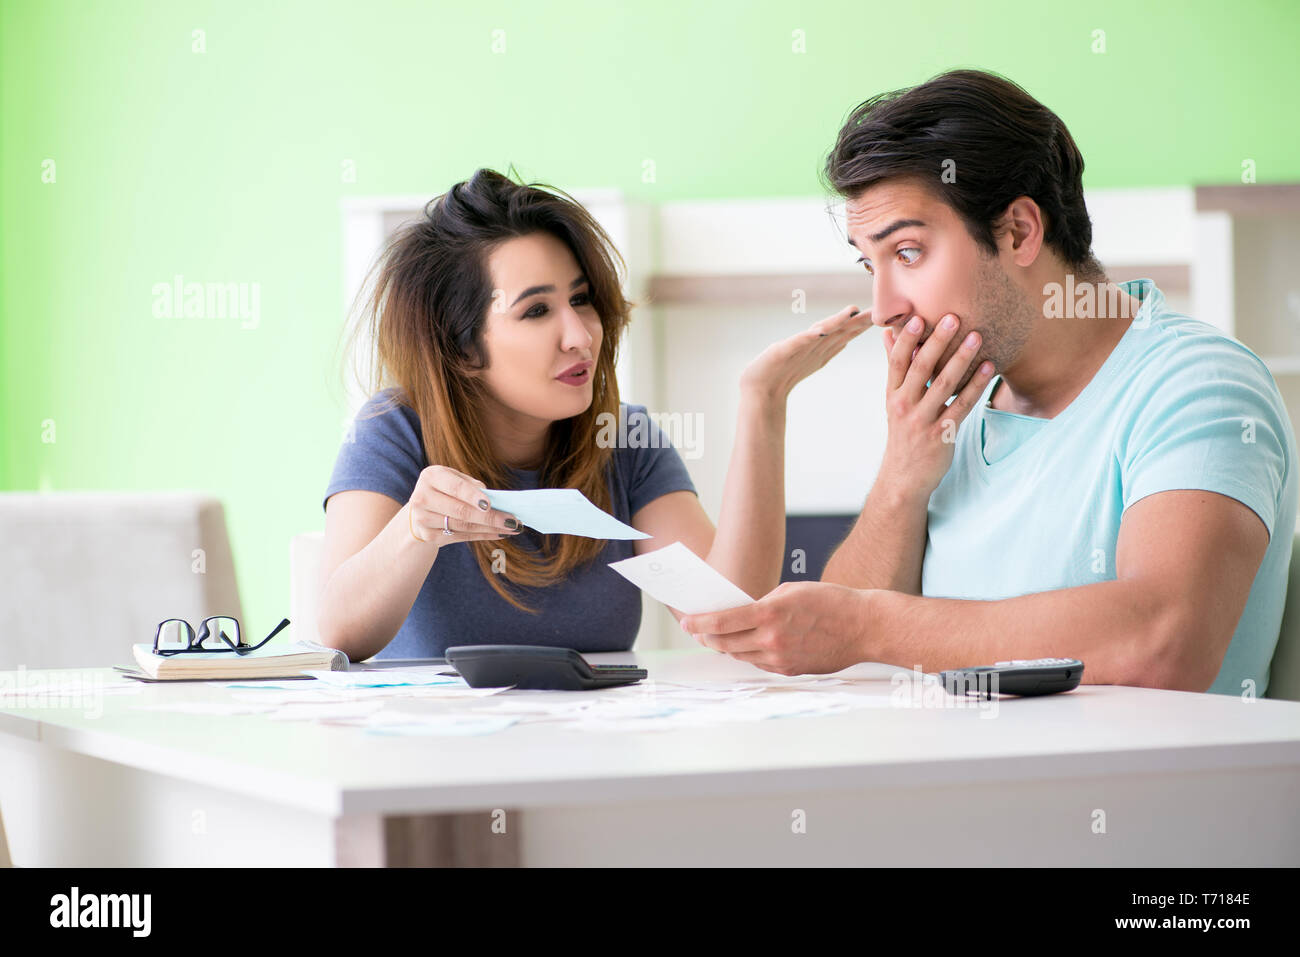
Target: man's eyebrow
{"points": [[892, 227], [538, 290]]}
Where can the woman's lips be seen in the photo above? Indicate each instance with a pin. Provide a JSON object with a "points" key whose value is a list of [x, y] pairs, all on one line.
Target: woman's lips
{"points": [[580, 378]]}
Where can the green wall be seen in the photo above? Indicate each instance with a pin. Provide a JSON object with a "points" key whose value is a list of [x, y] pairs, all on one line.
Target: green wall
{"points": [[226, 166]]}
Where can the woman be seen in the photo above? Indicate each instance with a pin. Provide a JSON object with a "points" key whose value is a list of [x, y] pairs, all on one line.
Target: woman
{"points": [[496, 320]]}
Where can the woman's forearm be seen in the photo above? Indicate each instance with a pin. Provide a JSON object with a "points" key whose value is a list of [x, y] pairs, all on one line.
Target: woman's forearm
{"points": [[368, 596], [750, 542]]}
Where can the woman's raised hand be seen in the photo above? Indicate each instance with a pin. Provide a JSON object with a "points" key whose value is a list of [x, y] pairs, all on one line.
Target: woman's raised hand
{"points": [[783, 365], [448, 506]]}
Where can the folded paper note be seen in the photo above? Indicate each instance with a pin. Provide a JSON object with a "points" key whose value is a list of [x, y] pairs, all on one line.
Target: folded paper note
{"points": [[680, 579], [560, 511]]}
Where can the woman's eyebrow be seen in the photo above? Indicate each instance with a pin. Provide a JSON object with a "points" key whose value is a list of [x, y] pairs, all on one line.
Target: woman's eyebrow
{"points": [[891, 228], [538, 290]]}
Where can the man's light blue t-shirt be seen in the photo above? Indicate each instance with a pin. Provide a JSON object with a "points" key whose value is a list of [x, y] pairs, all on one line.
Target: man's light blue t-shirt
{"points": [[1032, 505]]}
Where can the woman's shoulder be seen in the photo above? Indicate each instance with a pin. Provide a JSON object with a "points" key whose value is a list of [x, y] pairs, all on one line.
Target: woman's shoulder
{"points": [[388, 417], [382, 450], [385, 401], [391, 408], [632, 431], [647, 445]]}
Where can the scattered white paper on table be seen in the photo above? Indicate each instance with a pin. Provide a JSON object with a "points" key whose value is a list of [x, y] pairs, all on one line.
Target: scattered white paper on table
{"points": [[312, 711], [651, 706], [208, 707], [447, 725], [36, 687], [541, 708], [784, 681], [327, 695], [387, 677], [560, 511]]}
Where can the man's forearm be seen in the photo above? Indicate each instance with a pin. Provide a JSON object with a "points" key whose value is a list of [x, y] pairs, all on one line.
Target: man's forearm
{"points": [[1122, 633], [887, 544]]}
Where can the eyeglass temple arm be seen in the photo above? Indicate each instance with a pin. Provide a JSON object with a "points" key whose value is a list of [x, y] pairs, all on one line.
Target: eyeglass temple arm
{"points": [[284, 622]]}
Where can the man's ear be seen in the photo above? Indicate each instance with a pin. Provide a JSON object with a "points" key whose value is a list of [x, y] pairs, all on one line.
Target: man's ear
{"points": [[1024, 229]]}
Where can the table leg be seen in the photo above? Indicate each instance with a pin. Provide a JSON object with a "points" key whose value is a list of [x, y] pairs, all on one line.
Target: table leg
{"points": [[470, 839], [5, 860]]}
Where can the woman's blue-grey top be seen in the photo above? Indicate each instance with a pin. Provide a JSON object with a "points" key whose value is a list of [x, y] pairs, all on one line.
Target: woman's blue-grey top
{"points": [[594, 609]]}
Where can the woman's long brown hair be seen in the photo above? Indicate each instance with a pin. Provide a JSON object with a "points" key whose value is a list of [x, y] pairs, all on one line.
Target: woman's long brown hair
{"points": [[426, 317]]}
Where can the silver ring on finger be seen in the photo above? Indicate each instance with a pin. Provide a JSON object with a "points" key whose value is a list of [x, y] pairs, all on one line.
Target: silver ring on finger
{"points": [[446, 525]]}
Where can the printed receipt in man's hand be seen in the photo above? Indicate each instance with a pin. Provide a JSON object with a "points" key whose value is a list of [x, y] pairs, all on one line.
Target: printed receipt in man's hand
{"points": [[680, 579], [560, 511]]}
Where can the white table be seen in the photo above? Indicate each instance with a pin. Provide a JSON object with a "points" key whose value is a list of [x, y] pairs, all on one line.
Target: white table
{"points": [[1098, 776]]}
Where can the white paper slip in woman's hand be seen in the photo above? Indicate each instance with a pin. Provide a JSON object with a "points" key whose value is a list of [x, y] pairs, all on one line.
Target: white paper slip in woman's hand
{"points": [[680, 579], [560, 511]]}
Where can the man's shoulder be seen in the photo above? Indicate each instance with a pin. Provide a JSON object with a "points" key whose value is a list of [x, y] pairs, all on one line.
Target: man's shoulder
{"points": [[1191, 377], [1176, 353]]}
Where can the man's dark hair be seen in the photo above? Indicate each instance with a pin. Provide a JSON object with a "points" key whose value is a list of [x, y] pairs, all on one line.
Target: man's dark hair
{"points": [[1002, 143]]}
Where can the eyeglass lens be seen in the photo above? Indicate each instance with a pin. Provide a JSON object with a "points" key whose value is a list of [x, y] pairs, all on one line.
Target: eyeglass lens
{"points": [[214, 627], [174, 635]]}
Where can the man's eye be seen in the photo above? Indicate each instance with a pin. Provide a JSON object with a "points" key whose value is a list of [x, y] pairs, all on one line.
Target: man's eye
{"points": [[906, 261]]}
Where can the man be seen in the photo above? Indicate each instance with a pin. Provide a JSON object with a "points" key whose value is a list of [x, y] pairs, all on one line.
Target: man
{"points": [[1120, 487]]}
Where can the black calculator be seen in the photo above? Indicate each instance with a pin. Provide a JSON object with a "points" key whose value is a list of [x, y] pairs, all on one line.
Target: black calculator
{"points": [[537, 668], [1026, 677]]}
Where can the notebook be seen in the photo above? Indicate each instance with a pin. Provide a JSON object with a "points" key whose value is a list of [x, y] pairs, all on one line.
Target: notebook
{"points": [[289, 661]]}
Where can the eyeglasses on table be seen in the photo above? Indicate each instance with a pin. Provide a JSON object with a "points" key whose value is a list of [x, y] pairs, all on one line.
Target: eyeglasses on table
{"points": [[176, 636]]}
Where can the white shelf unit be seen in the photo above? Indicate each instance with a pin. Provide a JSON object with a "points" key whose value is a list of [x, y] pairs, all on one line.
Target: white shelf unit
{"points": [[1249, 244]]}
